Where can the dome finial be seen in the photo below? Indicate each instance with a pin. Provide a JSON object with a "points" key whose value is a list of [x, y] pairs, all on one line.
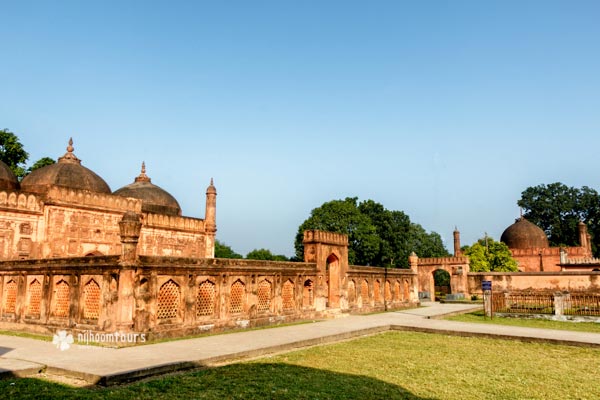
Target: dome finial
{"points": [[69, 157], [142, 177], [211, 189]]}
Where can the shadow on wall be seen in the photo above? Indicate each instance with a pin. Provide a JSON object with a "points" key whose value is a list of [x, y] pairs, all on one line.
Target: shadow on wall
{"points": [[251, 381]]}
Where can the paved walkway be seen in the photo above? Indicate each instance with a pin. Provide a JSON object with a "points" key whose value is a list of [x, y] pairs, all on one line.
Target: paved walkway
{"points": [[101, 365]]}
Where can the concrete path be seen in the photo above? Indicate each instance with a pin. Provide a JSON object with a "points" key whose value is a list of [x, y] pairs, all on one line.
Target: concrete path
{"points": [[105, 366]]}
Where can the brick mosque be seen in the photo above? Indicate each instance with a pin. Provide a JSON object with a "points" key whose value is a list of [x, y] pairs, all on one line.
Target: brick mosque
{"points": [[75, 255]]}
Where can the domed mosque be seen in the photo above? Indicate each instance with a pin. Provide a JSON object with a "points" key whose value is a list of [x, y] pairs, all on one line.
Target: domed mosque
{"points": [[8, 179], [67, 210], [529, 246], [67, 173], [154, 198]]}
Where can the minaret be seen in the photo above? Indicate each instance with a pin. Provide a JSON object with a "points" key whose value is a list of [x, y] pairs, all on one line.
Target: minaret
{"points": [[210, 219], [583, 234], [457, 251]]}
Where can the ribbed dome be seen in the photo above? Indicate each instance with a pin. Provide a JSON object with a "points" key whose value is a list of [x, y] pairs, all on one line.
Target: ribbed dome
{"points": [[154, 199], [67, 172], [524, 235], [8, 180]]}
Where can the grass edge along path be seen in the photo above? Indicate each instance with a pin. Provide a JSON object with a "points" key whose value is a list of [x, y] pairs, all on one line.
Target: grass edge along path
{"points": [[478, 317], [394, 365]]}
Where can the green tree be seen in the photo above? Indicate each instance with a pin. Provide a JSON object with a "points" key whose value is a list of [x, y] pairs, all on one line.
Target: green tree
{"points": [[376, 235], [42, 162], [12, 152], [224, 251], [343, 216], [558, 208], [488, 255], [265, 254]]}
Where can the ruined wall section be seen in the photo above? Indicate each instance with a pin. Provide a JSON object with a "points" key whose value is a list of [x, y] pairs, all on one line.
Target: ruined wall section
{"points": [[170, 236], [21, 217]]}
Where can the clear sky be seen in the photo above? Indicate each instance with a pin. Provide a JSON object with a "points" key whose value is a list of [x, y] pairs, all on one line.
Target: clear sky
{"points": [[446, 110]]}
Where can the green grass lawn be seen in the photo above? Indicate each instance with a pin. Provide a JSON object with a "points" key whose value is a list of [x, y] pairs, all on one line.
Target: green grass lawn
{"points": [[393, 365], [478, 316]]}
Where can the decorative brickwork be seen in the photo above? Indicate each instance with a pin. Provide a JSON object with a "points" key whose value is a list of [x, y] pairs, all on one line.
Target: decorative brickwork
{"points": [[10, 297], [205, 299], [264, 295], [388, 291], [35, 298], [91, 300], [236, 300], [287, 295], [364, 290], [377, 291], [397, 293], [308, 294], [351, 292], [61, 299], [169, 298]]}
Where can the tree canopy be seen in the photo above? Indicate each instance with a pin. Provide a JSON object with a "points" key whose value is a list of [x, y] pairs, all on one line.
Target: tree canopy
{"points": [[377, 236], [558, 208], [42, 162], [488, 255], [224, 251], [13, 154], [265, 254]]}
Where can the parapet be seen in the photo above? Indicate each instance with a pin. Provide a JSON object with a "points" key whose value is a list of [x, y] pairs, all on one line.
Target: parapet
{"points": [[66, 196], [195, 225], [20, 201], [315, 236]]}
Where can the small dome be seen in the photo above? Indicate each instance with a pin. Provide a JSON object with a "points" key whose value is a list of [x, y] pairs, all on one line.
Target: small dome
{"points": [[211, 189], [154, 199], [67, 172], [8, 179], [524, 235]]}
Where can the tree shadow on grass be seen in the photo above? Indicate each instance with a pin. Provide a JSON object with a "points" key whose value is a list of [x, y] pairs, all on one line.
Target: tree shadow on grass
{"points": [[236, 381]]}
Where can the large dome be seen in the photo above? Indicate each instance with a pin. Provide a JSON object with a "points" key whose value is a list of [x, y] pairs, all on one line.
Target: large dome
{"points": [[67, 172], [154, 199], [8, 180], [524, 235]]}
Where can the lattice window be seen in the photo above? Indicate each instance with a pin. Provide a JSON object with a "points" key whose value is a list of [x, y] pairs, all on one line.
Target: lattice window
{"points": [[264, 295], [205, 299], [406, 290], [287, 295], [308, 294], [364, 290], [35, 298], [388, 291], [169, 299], [10, 297], [351, 292], [61, 299], [91, 300], [397, 294], [236, 300], [377, 290]]}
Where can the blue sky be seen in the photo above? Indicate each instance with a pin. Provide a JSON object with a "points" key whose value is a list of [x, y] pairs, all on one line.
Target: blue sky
{"points": [[446, 110]]}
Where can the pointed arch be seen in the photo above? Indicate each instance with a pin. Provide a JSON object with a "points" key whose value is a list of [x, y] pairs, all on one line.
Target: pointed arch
{"points": [[61, 299], [237, 296], [10, 297], [205, 299], [91, 300], [264, 295], [169, 299], [287, 295]]}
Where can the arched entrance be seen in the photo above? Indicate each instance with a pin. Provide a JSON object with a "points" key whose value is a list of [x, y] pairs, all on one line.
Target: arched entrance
{"points": [[332, 271], [441, 283]]}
